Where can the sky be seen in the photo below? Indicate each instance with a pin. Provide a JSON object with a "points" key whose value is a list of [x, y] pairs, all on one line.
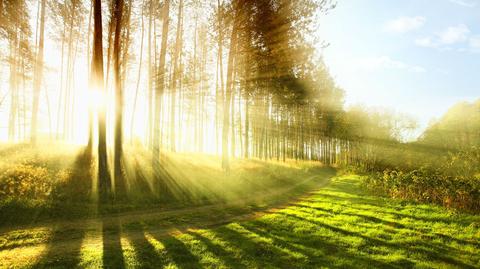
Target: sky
{"points": [[412, 56]]}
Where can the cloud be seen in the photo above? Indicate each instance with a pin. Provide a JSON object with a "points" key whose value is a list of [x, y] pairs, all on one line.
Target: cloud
{"points": [[464, 3], [405, 24], [426, 42], [474, 42], [385, 62], [454, 34]]}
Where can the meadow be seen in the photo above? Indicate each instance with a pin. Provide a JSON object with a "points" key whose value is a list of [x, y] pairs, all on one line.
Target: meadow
{"points": [[274, 215]]}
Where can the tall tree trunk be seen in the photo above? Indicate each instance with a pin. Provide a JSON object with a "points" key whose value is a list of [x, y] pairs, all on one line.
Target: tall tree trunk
{"points": [[220, 58], [118, 149], [104, 181], [90, 108], [139, 75], [13, 86], [160, 89], [151, 71], [178, 49], [228, 90], [38, 76]]}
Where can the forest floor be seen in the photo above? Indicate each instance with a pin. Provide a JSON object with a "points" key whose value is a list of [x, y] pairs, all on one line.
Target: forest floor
{"points": [[339, 225]]}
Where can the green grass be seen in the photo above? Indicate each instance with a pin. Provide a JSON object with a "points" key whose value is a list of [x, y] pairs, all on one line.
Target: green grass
{"points": [[56, 181], [338, 226]]}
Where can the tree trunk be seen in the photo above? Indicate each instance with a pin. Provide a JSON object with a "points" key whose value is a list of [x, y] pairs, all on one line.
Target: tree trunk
{"points": [[104, 181], [138, 76], [177, 52], [118, 149], [38, 76], [90, 108], [159, 90], [228, 90]]}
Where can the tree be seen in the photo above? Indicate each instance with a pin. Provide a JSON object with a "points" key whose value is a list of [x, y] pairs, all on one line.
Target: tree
{"points": [[160, 88], [118, 148], [104, 181], [37, 82], [175, 76], [229, 86]]}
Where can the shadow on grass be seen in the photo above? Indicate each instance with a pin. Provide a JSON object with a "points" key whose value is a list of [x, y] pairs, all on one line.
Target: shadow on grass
{"points": [[112, 248], [63, 250]]}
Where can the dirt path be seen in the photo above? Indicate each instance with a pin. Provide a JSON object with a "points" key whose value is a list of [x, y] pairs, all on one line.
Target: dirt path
{"points": [[27, 242]]}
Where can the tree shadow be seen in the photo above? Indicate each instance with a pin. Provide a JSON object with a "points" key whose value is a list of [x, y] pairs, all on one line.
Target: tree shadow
{"points": [[226, 256], [77, 186], [430, 250], [112, 247], [63, 250], [316, 243], [147, 255], [177, 251]]}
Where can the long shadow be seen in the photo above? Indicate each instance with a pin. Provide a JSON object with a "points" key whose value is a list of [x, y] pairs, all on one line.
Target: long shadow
{"points": [[67, 199], [77, 188], [64, 245], [146, 254], [177, 251], [365, 217], [438, 253], [262, 254], [226, 256], [112, 247], [316, 243], [63, 250]]}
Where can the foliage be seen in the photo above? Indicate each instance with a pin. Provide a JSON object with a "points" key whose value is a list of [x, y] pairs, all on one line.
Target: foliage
{"points": [[25, 181], [459, 128], [429, 186], [451, 179]]}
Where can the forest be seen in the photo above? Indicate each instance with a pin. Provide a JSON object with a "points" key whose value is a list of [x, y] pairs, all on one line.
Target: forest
{"points": [[213, 134]]}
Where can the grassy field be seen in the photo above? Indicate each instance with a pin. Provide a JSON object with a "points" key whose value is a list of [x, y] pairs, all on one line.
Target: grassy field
{"points": [[337, 226], [58, 182]]}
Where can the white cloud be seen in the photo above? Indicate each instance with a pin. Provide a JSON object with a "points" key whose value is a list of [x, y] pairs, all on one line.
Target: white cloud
{"points": [[426, 42], [454, 34], [465, 3], [474, 42], [385, 62], [405, 24]]}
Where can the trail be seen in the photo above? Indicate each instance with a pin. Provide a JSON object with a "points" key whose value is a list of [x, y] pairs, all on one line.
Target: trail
{"points": [[28, 242]]}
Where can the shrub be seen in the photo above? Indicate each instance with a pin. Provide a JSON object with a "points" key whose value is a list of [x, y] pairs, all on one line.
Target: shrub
{"points": [[25, 182], [426, 185]]}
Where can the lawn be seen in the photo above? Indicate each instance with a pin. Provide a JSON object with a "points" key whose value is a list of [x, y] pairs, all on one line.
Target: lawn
{"points": [[336, 226]]}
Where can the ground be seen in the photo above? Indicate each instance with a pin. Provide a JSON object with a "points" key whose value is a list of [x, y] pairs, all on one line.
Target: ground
{"points": [[339, 225]]}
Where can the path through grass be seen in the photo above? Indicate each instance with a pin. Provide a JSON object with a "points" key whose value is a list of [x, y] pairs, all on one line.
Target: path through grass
{"points": [[338, 226]]}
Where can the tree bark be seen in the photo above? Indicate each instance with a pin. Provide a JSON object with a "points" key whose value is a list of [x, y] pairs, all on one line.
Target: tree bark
{"points": [[178, 49], [104, 181], [38, 76], [118, 149], [228, 90], [160, 89]]}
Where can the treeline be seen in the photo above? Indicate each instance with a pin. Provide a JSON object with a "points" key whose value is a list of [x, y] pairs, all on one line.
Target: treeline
{"points": [[442, 167], [239, 73]]}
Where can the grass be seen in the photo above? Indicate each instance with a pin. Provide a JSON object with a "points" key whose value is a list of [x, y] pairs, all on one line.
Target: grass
{"points": [[337, 226], [56, 181]]}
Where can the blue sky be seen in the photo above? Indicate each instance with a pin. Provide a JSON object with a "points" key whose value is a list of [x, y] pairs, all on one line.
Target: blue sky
{"points": [[412, 56]]}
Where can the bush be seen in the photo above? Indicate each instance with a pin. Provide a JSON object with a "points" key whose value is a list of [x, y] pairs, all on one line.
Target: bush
{"points": [[25, 182], [426, 185]]}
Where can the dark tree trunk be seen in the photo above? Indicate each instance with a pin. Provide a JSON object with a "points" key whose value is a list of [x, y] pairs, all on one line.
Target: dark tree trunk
{"points": [[159, 91], [118, 149], [104, 181]]}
